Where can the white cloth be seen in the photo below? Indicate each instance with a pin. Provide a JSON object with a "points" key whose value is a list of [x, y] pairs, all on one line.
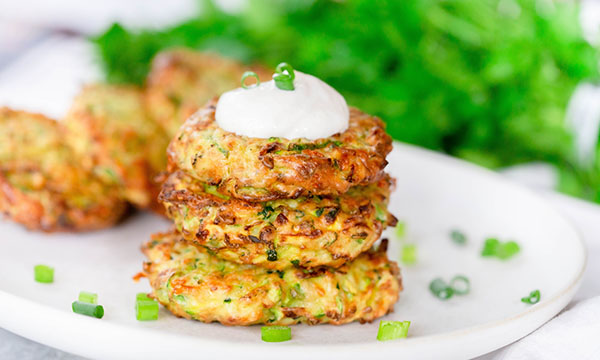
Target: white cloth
{"points": [[573, 334]]}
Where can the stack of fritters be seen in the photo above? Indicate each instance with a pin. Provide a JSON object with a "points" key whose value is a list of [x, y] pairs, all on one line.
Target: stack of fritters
{"points": [[273, 230]]}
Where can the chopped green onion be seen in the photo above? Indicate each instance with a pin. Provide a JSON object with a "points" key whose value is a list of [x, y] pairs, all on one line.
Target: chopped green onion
{"points": [[458, 237], [88, 309], [276, 333], [400, 230], [284, 76], [248, 74], [460, 284], [533, 298], [142, 296], [146, 310], [390, 330], [508, 250], [43, 274], [503, 251], [490, 247], [88, 297], [440, 289], [409, 254]]}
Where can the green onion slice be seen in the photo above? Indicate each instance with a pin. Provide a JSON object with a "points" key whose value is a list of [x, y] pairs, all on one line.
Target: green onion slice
{"points": [[142, 296], [440, 289], [460, 284], [88, 309], [490, 247], [284, 76], [400, 230], [88, 297], [390, 330], [248, 74], [458, 237], [508, 250], [494, 248], [533, 298], [146, 310], [43, 274], [276, 333], [409, 254]]}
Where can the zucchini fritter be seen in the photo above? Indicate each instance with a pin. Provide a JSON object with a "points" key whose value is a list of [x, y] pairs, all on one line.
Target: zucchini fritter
{"points": [[193, 284], [307, 231], [181, 81], [266, 169], [109, 129], [41, 184]]}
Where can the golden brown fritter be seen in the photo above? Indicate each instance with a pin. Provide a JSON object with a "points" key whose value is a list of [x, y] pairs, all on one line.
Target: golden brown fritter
{"points": [[307, 231], [193, 284], [41, 184], [109, 129], [256, 169], [181, 81]]}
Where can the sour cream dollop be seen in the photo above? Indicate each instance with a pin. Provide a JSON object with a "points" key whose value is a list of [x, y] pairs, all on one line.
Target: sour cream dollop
{"points": [[313, 110]]}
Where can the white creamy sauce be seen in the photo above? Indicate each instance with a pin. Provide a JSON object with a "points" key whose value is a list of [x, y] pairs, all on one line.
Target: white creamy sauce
{"points": [[313, 110]]}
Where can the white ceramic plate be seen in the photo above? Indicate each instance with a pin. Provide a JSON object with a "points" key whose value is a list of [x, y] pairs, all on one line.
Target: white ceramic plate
{"points": [[434, 195]]}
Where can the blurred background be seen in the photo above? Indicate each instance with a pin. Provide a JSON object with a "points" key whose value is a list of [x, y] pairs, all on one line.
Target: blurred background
{"points": [[507, 84]]}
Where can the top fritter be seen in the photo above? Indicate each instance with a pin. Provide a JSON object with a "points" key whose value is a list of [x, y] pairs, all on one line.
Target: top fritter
{"points": [[256, 169]]}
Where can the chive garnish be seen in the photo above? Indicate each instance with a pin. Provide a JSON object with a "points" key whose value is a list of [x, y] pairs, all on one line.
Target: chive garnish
{"points": [[284, 76], [248, 74], [88, 309], [533, 298], [493, 247], [146, 310], [409, 254], [459, 285], [390, 330], [88, 297], [276, 333], [458, 237], [142, 296], [43, 274], [440, 289], [400, 230]]}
